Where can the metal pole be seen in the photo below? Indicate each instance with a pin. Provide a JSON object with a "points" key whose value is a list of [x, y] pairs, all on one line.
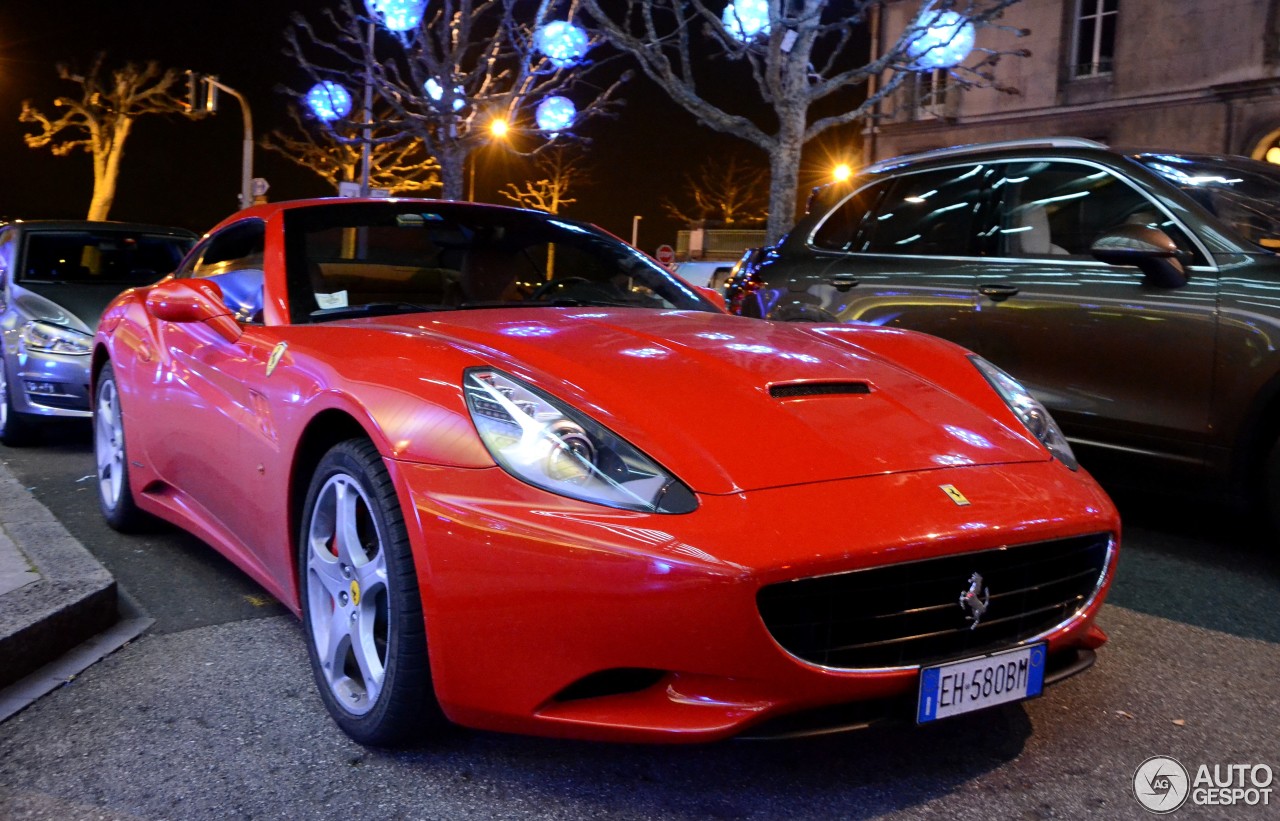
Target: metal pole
{"points": [[635, 230], [246, 163], [366, 143]]}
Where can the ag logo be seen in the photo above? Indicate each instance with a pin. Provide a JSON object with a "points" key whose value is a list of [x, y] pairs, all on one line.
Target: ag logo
{"points": [[276, 354], [1161, 784], [954, 494]]}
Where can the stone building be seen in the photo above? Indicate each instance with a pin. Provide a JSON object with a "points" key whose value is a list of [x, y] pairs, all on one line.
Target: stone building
{"points": [[1193, 75]]}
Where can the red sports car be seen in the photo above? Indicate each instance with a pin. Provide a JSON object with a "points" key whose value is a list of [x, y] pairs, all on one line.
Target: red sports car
{"points": [[511, 473]]}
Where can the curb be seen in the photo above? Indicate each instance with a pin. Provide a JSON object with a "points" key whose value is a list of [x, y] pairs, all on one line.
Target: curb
{"points": [[72, 599]]}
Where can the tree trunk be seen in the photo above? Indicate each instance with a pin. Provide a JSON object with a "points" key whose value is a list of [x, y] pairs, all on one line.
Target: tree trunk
{"points": [[453, 162], [784, 175], [106, 170]]}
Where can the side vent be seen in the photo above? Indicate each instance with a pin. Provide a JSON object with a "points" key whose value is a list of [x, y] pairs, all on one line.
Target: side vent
{"points": [[799, 390]]}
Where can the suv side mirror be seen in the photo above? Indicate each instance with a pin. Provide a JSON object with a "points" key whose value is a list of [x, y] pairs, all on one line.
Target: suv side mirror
{"points": [[1150, 249]]}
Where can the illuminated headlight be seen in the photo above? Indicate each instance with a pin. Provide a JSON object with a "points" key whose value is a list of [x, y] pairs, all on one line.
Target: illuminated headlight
{"points": [[540, 441], [1028, 409], [50, 338]]}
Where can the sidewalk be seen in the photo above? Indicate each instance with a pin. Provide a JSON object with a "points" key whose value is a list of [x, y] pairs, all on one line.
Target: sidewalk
{"points": [[59, 608]]}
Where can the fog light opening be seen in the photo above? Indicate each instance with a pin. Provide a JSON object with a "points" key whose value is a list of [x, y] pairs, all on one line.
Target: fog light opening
{"points": [[613, 682]]}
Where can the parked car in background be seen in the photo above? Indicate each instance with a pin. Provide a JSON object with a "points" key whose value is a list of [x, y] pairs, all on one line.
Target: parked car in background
{"points": [[705, 273], [56, 276], [1137, 295], [420, 428]]}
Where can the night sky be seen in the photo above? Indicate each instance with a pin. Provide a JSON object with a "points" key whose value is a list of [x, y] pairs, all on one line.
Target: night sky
{"points": [[180, 172]]}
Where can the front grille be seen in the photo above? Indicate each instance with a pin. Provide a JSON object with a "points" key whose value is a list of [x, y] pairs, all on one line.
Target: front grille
{"points": [[907, 614]]}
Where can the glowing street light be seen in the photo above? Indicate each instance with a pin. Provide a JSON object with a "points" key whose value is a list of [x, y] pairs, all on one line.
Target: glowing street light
{"points": [[946, 41], [555, 114], [744, 19], [562, 42], [499, 127], [329, 101], [842, 172], [398, 15]]}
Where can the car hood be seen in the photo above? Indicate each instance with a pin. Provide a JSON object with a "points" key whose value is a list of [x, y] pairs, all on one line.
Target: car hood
{"points": [[76, 306], [724, 402]]}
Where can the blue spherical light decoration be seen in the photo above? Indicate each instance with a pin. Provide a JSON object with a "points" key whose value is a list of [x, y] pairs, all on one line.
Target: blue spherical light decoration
{"points": [[398, 15], [555, 114], [329, 101], [564, 43], [435, 92], [744, 19], [946, 40]]}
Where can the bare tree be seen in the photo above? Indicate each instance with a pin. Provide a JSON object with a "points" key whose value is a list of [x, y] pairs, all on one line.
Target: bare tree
{"points": [[559, 171], [401, 167], [808, 52], [727, 192], [468, 64], [99, 121]]}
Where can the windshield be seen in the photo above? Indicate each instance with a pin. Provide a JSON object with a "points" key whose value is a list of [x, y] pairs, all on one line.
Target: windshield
{"points": [[115, 257], [362, 259], [1243, 193]]}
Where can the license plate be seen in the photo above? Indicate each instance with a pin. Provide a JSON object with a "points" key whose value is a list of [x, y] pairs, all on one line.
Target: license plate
{"points": [[972, 684]]}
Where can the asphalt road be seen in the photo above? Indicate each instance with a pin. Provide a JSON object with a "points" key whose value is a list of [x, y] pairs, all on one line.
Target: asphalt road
{"points": [[213, 714]]}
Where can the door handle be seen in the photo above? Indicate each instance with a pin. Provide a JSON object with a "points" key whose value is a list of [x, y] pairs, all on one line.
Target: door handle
{"points": [[997, 293], [843, 282]]}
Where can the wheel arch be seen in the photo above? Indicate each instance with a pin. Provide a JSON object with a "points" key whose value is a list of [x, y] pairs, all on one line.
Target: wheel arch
{"points": [[326, 429], [1259, 430]]}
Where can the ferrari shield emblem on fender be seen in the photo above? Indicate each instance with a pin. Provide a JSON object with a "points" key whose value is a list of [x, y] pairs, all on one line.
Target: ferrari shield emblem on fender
{"points": [[276, 354], [950, 490]]}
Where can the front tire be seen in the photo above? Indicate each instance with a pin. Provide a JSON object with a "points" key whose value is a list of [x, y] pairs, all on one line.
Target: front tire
{"points": [[15, 429], [360, 606], [115, 497]]}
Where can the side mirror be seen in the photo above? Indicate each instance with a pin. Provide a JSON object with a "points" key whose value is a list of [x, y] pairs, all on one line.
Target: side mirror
{"points": [[713, 296], [1150, 249], [192, 300]]}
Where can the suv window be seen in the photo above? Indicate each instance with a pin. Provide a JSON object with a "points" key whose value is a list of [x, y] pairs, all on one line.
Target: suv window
{"points": [[1059, 208], [930, 213], [842, 228]]}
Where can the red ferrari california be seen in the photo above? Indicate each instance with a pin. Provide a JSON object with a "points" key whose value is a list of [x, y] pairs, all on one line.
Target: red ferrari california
{"points": [[511, 473]]}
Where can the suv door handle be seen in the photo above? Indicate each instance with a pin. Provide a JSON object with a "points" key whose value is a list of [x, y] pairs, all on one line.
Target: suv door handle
{"points": [[997, 293], [843, 282]]}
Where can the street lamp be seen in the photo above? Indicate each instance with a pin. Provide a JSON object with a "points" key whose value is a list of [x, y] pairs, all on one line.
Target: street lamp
{"points": [[498, 128], [842, 172]]}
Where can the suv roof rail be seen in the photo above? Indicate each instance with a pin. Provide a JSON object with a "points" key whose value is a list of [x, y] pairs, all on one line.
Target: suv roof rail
{"points": [[978, 148]]}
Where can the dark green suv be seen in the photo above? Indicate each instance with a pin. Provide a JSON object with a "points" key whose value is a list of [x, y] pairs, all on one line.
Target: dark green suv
{"points": [[1136, 294]]}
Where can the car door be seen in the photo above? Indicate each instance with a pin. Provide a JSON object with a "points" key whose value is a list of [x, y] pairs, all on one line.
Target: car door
{"points": [[1120, 362], [206, 440], [901, 252]]}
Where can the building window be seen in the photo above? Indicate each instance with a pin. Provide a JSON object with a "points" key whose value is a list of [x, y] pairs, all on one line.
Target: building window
{"points": [[929, 94], [1095, 37]]}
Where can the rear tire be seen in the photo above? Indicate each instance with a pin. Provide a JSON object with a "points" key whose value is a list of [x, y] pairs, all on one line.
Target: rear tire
{"points": [[115, 497], [360, 606]]}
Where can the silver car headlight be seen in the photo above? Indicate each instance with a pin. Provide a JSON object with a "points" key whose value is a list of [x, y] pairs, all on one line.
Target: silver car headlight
{"points": [[536, 439], [50, 338], [1028, 409]]}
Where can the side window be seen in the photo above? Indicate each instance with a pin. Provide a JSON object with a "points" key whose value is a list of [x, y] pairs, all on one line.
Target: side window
{"points": [[931, 213], [1058, 208], [232, 258], [842, 228]]}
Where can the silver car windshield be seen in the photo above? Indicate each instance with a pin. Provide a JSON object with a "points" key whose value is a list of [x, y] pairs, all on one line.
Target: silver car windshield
{"points": [[1243, 193]]}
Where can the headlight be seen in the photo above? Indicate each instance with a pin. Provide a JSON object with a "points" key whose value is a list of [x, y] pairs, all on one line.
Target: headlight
{"points": [[45, 336], [1027, 408], [537, 439]]}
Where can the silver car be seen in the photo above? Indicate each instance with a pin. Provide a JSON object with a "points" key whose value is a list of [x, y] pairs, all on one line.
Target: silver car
{"points": [[56, 276]]}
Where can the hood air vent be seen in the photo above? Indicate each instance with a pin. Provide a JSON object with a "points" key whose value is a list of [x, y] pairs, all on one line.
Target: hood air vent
{"points": [[799, 390]]}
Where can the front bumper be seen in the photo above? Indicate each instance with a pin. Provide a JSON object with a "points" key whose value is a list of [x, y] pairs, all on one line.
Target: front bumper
{"points": [[554, 617], [48, 384]]}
